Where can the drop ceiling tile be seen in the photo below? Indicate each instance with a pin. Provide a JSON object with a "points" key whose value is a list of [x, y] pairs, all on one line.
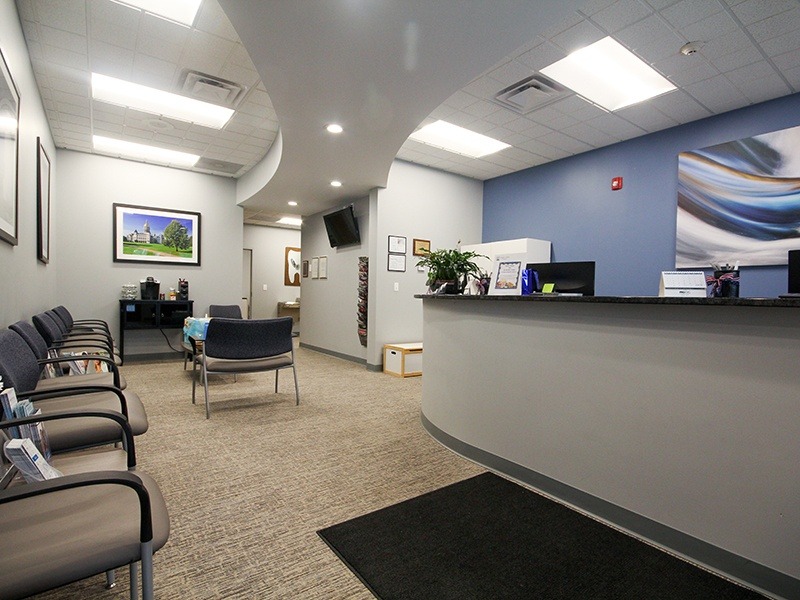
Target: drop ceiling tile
{"points": [[119, 33], [75, 128], [661, 4], [240, 57], [68, 15], [752, 11], [765, 88], [65, 40], [788, 60], [578, 36], [459, 100], [110, 60], [481, 126], [212, 19], [717, 25], [650, 39], [206, 53], [542, 56], [687, 12], [528, 127], [577, 108], [621, 14], [564, 142], [793, 76], [104, 128], [442, 113], [782, 44], [154, 72], [501, 117], [541, 148], [777, 25], [616, 126], [108, 116], [70, 87], [59, 56], [594, 6], [730, 61], [590, 135], [755, 71], [718, 94], [680, 106], [162, 39], [481, 109], [241, 75], [647, 117], [509, 73], [499, 133], [484, 87], [552, 118]]}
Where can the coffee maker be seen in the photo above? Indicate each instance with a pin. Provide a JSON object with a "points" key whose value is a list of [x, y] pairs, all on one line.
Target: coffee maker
{"points": [[183, 289], [149, 288]]}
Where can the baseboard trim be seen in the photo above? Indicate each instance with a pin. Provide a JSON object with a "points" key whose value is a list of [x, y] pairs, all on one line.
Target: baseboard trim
{"points": [[760, 577], [355, 359]]}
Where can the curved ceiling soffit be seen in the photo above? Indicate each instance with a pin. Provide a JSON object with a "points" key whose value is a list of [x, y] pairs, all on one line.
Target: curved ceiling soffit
{"points": [[377, 68]]}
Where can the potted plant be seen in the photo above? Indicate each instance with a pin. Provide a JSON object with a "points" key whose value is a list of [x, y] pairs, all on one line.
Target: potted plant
{"points": [[448, 270]]}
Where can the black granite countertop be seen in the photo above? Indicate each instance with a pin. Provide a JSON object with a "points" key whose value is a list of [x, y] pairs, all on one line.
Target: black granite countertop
{"points": [[763, 302]]}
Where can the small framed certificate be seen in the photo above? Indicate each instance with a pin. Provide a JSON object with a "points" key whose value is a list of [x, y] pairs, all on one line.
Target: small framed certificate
{"points": [[397, 244], [397, 262]]}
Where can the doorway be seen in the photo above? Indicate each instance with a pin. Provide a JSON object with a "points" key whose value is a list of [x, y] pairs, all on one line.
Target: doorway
{"points": [[247, 283]]}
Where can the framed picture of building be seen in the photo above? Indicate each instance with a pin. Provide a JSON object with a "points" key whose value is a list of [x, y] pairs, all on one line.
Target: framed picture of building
{"points": [[9, 151], [156, 235]]}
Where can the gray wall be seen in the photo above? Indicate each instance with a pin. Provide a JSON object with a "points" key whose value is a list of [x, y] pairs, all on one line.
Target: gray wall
{"points": [[269, 245], [418, 202], [27, 286], [89, 282], [421, 203], [328, 307]]}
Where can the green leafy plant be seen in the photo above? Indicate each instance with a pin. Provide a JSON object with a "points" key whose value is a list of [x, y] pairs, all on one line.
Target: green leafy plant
{"points": [[450, 267]]}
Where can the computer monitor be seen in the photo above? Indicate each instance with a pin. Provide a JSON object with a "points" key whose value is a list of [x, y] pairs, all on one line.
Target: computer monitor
{"points": [[794, 272], [568, 277]]}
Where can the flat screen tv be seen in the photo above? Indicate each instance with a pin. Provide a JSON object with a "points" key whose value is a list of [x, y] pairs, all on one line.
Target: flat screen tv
{"points": [[342, 227], [568, 277]]}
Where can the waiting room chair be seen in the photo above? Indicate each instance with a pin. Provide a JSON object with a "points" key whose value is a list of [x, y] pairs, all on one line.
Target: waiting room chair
{"points": [[20, 370], [247, 346], [225, 311], [42, 352], [67, 319], [56, 334]]}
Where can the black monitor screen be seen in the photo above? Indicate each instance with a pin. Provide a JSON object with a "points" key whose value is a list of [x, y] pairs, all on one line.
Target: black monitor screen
{"points": [[568, 277], [794, 272], [342, 227]]}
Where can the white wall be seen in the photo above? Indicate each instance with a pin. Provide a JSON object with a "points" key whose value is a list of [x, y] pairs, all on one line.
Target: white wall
{"points": [[89, 281], [328, 307], [421, 203], [27, 286], [418, 202], [269, 245]]}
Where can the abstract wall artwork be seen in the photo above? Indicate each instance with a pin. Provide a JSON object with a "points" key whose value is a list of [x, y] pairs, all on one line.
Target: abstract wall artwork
{"points": [[739, 201]]}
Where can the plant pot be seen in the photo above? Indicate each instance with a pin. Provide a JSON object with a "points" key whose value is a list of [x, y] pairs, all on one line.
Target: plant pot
{"points": [[445, 287]]}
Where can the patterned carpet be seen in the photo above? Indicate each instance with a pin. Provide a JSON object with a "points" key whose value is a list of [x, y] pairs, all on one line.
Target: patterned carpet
{"points": [[248, 489]]}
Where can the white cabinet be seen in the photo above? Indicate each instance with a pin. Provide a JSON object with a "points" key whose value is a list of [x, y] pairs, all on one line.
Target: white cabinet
{"points": [[403, 360]]}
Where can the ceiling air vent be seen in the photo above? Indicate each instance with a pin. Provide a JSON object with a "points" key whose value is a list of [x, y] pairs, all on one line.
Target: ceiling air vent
{"points": [[531, 93], [211, 89]]}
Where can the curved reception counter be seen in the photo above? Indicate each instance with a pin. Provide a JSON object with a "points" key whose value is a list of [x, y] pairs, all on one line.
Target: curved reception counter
{"points": [[676, 419]]}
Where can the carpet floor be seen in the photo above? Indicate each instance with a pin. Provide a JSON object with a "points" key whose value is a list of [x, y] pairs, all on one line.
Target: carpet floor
{"points": [[487, 537]]}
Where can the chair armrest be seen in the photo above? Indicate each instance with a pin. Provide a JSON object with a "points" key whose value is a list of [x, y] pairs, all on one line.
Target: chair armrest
{"points": [[124, 478], [127, 433], [37, 395]]}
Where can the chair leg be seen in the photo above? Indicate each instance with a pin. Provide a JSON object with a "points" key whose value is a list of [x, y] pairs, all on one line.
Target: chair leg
{"points": [[134, 587], [147, 571], [194, 381], [185, 358], [111, 576], [205, 387], [276, 381], [296, 389]]}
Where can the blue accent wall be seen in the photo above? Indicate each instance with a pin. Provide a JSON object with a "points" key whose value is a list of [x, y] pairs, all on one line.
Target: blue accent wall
{"points": [[630, 233]]}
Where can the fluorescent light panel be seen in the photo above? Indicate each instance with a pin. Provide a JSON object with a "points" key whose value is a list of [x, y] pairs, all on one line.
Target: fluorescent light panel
{"points": [[453, 138], [290, 221], [607, 74], [158, 102], [182, 11], [8, 125], [143, 152]]}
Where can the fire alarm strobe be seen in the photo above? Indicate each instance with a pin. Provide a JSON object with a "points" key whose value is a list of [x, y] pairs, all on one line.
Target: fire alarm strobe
{"points": [[616, 183]]}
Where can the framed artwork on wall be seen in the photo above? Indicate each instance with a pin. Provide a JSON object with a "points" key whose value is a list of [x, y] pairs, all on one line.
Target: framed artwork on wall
{"points": [[42, 203], [156, 235], [315, 267], [421, 247], [305, 268], [397, 262], [323, 267], [291, 266], [9, 154]]}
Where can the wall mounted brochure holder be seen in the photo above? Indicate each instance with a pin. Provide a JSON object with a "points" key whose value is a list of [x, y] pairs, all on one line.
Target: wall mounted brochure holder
{"points": [[682, 284]]}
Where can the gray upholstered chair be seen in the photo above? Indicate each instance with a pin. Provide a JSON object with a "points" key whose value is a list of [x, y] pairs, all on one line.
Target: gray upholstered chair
{"points": [[100, 515], [20, 370], [55, 335], [41, 350], [247, 346], [92, 324], [225, 311]]}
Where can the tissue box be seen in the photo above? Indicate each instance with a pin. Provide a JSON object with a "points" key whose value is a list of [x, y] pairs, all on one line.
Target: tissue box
{"points": [[195, 327]]}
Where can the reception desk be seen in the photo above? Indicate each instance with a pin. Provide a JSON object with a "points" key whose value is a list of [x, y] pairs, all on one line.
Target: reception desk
{"points": [[677, 419]]}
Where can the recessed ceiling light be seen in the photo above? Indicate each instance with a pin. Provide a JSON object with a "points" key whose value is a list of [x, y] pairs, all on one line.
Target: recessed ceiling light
{"points": [[290, 221], [182, 11], [607, 74], [158, 102], [334, 128], [453, 138], [143, 152], [336, 183], [292, 203]]}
